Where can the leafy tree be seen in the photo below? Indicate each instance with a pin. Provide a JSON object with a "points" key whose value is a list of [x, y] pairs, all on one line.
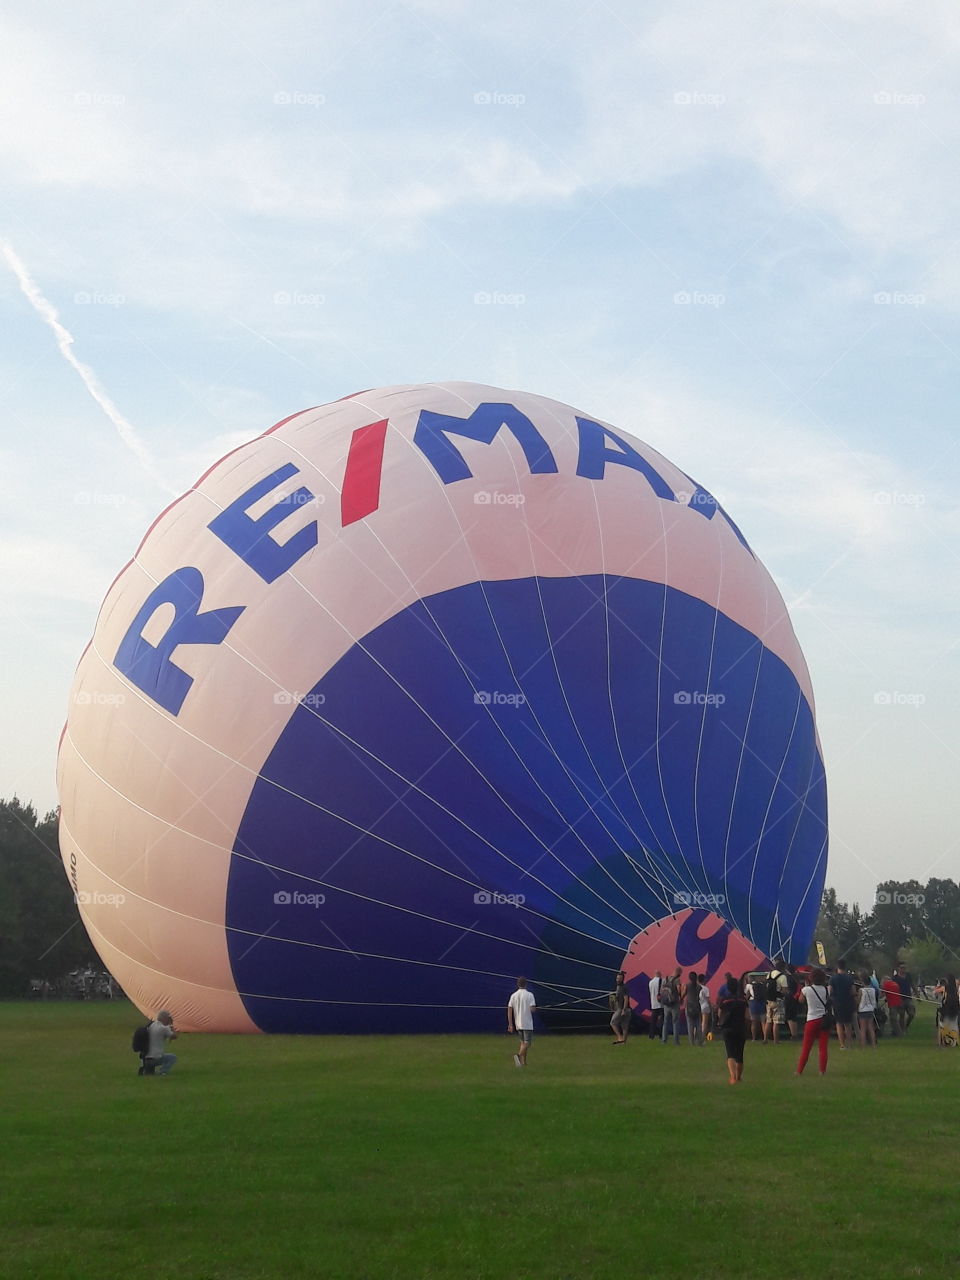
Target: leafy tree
{"points": [[925, 958], [41, 935], [898, 915], [941, 911]]}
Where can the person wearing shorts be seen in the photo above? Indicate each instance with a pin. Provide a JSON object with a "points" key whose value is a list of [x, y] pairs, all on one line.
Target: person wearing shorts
{"points": [[757, 1008], [776, 1010], [732, 1020], [867, 1011], [842, 986], [520, 1010]]}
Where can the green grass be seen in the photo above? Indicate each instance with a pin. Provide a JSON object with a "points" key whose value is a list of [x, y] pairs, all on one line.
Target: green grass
{"points": [[281, 1156]]}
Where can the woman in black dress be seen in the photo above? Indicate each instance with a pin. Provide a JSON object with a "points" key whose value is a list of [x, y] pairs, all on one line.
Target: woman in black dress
{"points": [[732, 1020]]}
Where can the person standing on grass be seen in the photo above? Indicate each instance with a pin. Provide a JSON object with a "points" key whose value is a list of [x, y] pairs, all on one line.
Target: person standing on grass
{"points": [[705, 1009], [732, 1020], [159, 1033], [670, 1001], [620, 1018], [753, 990], [691, 1007], [815, 995], [776, 989], [791, 1001], [948, 1015], [867, 1011], [656, 1010], [908, 1009], [520, 1010], [891, 990], [841, 993]]}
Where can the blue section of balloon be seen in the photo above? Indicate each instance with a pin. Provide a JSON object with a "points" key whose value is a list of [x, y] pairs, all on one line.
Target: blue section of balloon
{"points": [[498, 781]]}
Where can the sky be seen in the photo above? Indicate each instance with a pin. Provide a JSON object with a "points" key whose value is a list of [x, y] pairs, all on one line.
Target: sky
{"points": [[730, 230]]}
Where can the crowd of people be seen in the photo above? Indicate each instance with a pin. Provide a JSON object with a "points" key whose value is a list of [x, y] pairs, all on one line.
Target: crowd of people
{"points": [[78, 984], [807, 1003]]}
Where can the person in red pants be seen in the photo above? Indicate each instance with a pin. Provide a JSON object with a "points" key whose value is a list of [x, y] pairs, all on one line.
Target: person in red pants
{"points": [[815, 994]]}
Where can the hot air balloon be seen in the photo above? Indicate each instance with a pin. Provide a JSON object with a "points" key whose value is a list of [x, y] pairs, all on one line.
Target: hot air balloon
{"points": [[424, 689]]}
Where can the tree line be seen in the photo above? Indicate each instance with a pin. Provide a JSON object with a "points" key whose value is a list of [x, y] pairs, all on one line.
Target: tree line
{"points": [[909, 921], [42, 937]]}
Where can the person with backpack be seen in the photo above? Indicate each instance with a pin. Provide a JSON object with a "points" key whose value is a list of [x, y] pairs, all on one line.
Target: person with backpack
{"points": [[819, 1020], [776, 988], [156, 1060], [670, 1003], [732, 1010]]}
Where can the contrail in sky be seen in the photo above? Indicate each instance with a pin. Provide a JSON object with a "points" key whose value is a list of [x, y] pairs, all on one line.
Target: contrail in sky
{"points": [[48, 313]]}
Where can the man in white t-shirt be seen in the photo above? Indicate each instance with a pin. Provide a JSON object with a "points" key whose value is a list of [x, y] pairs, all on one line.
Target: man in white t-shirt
{"points": [[159, 1033], [656, 1009], [520, 1010]]}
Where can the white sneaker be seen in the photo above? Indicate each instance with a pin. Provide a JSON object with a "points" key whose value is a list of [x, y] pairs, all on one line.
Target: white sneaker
{"points": [[516, 1060]]}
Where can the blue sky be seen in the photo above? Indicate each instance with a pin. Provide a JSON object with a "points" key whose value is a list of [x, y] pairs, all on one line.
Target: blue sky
{"points": [[731, 230]]}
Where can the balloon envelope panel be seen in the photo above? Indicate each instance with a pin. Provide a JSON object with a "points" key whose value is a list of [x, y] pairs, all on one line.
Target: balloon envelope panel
{"points": [[422, 690]]}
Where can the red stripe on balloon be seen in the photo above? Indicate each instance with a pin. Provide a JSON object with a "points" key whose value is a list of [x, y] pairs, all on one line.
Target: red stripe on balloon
{"points": [[361, 481]]}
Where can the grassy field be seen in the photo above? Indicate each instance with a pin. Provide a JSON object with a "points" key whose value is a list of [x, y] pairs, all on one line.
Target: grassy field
{"points": [[428, 1158]]}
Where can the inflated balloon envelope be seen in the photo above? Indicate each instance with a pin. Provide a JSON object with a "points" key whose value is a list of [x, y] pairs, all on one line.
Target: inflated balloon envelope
{"points": [[424, 689]]}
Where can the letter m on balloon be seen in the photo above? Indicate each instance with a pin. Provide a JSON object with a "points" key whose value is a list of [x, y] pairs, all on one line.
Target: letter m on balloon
{"points": [[150, 666], [434, 430]]}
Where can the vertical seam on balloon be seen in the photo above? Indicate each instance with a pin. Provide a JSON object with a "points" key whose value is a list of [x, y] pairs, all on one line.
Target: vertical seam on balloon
{"points": [[763, 825], [743, 747]]}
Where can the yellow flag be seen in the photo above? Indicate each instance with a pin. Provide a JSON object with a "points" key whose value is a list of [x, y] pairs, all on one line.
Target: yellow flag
{"points": [[821, 954]]}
